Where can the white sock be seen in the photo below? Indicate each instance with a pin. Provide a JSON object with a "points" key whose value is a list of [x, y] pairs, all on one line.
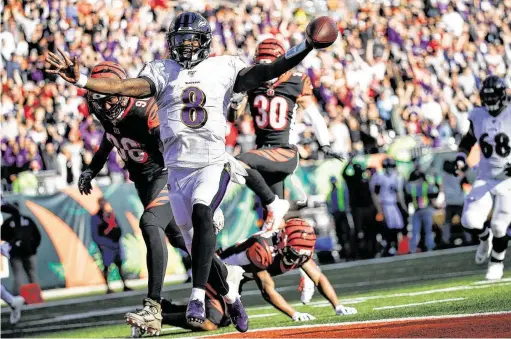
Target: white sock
{"points": [[231, 296], [198, 294], [272, 204], [6, 296]]}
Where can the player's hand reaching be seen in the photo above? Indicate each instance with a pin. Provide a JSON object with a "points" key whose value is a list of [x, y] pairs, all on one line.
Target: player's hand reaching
{"points": [[507, 170], [84, 182], [62, 65], [343, 310], [327, 150], [460, 164], [298, 316]]}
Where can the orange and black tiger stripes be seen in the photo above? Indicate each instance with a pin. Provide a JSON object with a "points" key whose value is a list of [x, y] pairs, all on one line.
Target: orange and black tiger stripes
{"points": [[260, 254], [108, 69], [153, 120]]}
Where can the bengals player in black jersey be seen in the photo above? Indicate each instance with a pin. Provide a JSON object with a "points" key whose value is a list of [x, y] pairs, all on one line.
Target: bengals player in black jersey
{"points": [[273, 106], [269, 254], [132, 127]]}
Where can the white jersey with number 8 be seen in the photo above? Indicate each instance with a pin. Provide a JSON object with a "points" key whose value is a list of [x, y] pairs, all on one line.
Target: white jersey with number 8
{"points": [[192, 105], [493, 135]]}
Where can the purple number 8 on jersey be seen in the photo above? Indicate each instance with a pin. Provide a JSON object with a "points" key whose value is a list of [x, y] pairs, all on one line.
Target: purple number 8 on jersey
{"points": [[193, 113]]}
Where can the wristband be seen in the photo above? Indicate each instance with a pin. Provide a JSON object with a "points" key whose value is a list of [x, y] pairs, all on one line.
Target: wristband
{"points": [[82, 81], [461, 155]]}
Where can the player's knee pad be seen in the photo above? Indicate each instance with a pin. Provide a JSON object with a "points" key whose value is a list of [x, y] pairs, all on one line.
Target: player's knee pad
{"points": [[472, 220], [499, 224], [202, 216], [500, 243]]}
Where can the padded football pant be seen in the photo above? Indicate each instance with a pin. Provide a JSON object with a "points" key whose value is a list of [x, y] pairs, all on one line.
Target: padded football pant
{"points": [[156, 223], [478, 204], [195, 194], [274, 164]]}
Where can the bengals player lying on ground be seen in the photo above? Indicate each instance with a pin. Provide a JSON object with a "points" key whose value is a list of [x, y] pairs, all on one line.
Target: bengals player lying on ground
{"points": [[268, 254]]}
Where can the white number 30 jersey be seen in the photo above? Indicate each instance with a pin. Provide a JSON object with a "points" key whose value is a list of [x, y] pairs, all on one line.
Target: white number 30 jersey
{"points": [[192, 105], [493, 135]]}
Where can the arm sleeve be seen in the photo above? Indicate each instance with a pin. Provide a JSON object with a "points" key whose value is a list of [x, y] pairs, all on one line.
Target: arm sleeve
{"points": [[154, 73], [251, 77], [468, 140], [101, 156], [318, 124]]}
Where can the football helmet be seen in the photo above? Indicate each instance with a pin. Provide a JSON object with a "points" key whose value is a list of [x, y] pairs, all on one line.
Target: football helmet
{"points": [[296, 242], [389, 165], [493, 94], [189, 39], [109, 107], [268, 50]]}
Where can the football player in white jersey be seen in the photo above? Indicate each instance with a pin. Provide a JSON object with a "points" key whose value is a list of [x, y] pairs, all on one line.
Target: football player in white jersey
{"points": [[490, 126], [192, 92]]}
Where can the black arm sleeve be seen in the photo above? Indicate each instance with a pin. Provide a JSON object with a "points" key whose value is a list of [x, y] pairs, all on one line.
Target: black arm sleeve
{"points": [[101, 156], [251, 77], [468, 141], [155, 132]]}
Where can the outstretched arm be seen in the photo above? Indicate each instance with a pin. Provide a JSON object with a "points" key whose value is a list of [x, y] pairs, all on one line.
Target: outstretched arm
{"points": [[267, 286], [318, 122], [251, 77], [70, 71], [468, 141], [100, 157], [321, 281]]}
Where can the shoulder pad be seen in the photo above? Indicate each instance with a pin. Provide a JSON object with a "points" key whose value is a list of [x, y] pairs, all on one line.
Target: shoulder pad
{"points": [[477, 111]]}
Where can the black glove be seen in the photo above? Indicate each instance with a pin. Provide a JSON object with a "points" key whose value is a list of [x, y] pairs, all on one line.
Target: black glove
{"points": [[327, 150], [460, 165], [84, 182], [507, 170]]}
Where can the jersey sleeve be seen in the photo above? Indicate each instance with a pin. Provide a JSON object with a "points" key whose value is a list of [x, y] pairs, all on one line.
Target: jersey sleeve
{"points": [[236, 64], [154, 73], [259, 254], [306, 85]]}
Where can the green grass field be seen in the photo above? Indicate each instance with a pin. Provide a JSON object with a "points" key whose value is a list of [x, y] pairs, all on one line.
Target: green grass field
{"points": [[464, 295]]}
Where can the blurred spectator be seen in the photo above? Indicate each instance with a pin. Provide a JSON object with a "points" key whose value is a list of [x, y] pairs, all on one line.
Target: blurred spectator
{"points": [[24, 238], [420, 193], [362, 209], [388, 197], [106, 233], [452, 187], [339, 207]]}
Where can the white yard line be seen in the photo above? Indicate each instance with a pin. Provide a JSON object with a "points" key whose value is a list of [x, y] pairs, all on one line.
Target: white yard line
{"points": [[487, 282], [264, 315], [348, 323], [417, 304]]}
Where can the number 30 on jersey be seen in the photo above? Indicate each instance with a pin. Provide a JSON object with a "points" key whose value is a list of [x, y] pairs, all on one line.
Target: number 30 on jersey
{"points": [[271, 112]]}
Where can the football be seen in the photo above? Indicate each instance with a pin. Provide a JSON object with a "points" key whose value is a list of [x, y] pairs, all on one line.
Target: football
{"points": [[321, 32]]}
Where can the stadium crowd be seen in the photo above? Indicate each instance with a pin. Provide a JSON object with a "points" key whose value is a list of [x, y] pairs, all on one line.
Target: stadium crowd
{"points": [[405, 67]]}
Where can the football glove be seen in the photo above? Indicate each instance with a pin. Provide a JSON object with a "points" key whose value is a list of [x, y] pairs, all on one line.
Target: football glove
{"points": [[298, 316], [344, 310], [327, 150], [460, 164], [84, 182], [237, 99], [507, 170]]}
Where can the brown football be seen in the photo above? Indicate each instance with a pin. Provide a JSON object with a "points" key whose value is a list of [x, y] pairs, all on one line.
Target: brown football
{"points": [[321, 32]]}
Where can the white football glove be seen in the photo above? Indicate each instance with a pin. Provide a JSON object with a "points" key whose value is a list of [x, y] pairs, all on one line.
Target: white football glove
{"points": [[218, 220], [298, 316], [344, 310]]}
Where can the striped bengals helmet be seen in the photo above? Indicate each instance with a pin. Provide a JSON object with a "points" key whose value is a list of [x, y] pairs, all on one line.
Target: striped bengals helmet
{"points": [[110, 107], [268, 50], [296, 241]]}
